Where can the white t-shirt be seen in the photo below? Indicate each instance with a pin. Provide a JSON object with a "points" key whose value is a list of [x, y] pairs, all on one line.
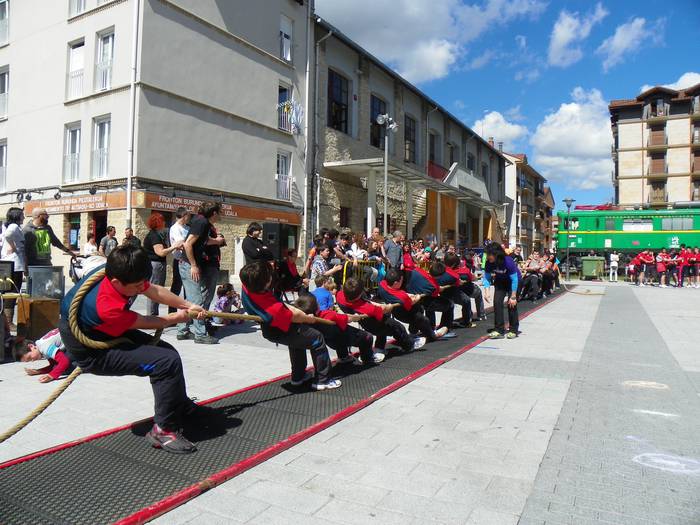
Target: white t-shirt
{"points": [[178, 232], [89, 249], [614, 259], [14, 233]]}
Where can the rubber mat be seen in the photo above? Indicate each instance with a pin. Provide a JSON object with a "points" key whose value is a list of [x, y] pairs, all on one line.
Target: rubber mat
{"points": [[115, 476]]}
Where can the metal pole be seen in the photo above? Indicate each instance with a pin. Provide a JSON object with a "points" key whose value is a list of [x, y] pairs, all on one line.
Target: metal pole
{"points": [[132, 110], [386, 176], [568, 244]]}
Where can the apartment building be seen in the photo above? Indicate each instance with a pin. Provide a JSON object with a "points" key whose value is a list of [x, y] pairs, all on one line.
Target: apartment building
{"points": [[444, 181], [656, 149], [180, 101], [530, 206]]}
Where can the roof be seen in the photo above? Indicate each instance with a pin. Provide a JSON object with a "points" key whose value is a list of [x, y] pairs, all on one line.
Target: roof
{"points": [[522, 159], [354, 45], [676, 95]]}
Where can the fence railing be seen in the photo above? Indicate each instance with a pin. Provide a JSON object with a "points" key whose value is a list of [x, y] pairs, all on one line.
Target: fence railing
{"points": [[74, 84], [284, 118], [100, 163], [284, 187], [71, 167], [364, 271], [103, 75], [3, 105]]}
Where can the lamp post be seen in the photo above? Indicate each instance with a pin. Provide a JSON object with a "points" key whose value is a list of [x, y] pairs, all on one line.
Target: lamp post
{"points": [[568, 201], [389, 125]]}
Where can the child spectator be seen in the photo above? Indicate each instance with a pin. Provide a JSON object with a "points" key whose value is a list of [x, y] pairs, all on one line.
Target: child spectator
{"points": [[287, 325], [378, 322], [48, 347], [324, 292], [227, 301]]}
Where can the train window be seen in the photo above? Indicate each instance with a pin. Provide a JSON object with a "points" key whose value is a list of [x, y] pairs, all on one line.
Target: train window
{"points": [[676, 223], [609, 224], [637, 225]]}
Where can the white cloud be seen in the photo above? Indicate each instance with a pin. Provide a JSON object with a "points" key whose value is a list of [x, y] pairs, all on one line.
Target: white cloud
{"points": [[629, 38], [568, 32], [514, 113], [483, 59], [572, 144], [440, 30], [521, 40], [686, 80], [495, 125], [528, 75]]}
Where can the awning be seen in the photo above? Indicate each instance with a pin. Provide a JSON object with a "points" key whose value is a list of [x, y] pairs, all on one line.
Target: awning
{"points": [[359, 168]]}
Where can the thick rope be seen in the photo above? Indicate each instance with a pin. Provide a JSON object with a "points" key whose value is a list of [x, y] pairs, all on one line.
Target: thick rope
{"points": [[85, 341]]}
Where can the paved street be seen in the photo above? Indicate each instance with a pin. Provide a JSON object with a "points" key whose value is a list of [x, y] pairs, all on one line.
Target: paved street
{"points": [[591, 416]]}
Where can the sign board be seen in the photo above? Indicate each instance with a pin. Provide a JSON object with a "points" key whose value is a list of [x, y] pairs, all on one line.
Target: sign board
{"points": [[608, 243], [78, 203]]}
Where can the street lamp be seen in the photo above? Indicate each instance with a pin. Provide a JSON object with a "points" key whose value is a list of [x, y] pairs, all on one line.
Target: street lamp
{"points": [[389, 125], [568, 201]]}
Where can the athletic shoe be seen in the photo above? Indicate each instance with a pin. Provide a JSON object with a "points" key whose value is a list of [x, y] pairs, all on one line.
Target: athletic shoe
{"points": [[349, 359], [511, 335], [482, 318], [470, 325], [206, 340], [173, 442], [329, 385], [185, 336], [449, 335], [440, 332], [378, 358], [495, 335], [419, 343], [308, 376]]}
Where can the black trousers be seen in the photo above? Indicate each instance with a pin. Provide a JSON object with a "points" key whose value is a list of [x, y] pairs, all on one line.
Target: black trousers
{"points": [[416, 320], [473, 291], [176, 285], [439, 304], [160, 363], [387, 327], [547, 282], [299, 339], [499, 295], [343, 340], [530, 286], [461, 299]]}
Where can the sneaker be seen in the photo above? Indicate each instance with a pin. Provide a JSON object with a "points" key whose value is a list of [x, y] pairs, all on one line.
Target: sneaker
{"points": [[184, 336], [206, 340], [511, 335], [329, 385], [441, 332], [419, 343], [482, 318], [449, 335], [378, 358], [308, 376], [495, 335], [173, 442]]}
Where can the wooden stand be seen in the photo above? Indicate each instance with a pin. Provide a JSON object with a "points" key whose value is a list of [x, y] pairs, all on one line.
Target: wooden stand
{"points": [[37, 316]]}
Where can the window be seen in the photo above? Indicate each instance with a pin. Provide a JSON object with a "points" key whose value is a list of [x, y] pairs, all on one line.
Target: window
{"points": [[637, 225], [103, 67], [377, 132], [284, 110], [485, 171], [337, 101], [76, 69], [74, 231], [452, 153], [695, 194], [344, 217], [409, 138], [282, 176], [471, 162], [100, 148], [4, 90], [4, 21], [676, 223], [76, 7], [609, 224], [71, 156], [432, 147], [3, 164], [285, 38]]}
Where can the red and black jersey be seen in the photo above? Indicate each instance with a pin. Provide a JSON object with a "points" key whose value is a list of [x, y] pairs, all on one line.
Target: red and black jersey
{"points": [[103, 308], [450, 277], [646, 258], [392, 296], [265, 305], [359, 306], [465, 274], [340, 320], [422, 283]]}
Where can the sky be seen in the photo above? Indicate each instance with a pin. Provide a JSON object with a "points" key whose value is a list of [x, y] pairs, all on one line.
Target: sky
{"points": [[535, 74]]}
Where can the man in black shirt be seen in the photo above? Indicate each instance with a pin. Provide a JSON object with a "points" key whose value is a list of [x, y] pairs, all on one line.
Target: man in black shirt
{"points": [[198, 270], [131, 239], [253, 247]]}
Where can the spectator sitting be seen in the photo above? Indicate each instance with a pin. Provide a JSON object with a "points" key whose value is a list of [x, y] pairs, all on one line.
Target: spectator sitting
{"points": [[227, 301], [48, 347]]}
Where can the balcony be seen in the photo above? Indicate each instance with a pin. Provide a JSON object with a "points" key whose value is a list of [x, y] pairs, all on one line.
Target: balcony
{"points": [[4, 31], [656, 172], [695, 166], [103, 75], [3, 105], [76, 7], [695, 138], [695, 194], [695, 112], [100, 163], [284, 187], [284, 117], [538, 237], [71, 167], [436, 171], [657, 142], [658, 198], [74, 84]]}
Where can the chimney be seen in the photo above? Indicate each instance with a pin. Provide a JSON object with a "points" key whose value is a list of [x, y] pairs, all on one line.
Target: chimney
{"points": [[500, 146], [491, 141]]}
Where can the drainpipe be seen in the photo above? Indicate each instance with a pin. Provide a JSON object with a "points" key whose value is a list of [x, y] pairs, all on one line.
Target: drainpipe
{"points": [[307, 145], [317, 175], [132, 109]]}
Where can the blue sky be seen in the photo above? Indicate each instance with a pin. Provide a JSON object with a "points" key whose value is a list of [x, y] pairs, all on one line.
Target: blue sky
{"points": [[535, 74]]}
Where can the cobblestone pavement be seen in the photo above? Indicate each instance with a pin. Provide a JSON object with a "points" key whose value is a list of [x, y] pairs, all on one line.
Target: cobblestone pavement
{"points": [[625, 448]]}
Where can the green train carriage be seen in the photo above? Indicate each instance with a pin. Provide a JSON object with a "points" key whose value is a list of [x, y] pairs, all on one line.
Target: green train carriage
{"points": [[628, 230]]}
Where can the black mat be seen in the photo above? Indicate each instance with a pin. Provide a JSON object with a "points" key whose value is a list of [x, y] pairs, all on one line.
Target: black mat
{"points": [[112, 477]]}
